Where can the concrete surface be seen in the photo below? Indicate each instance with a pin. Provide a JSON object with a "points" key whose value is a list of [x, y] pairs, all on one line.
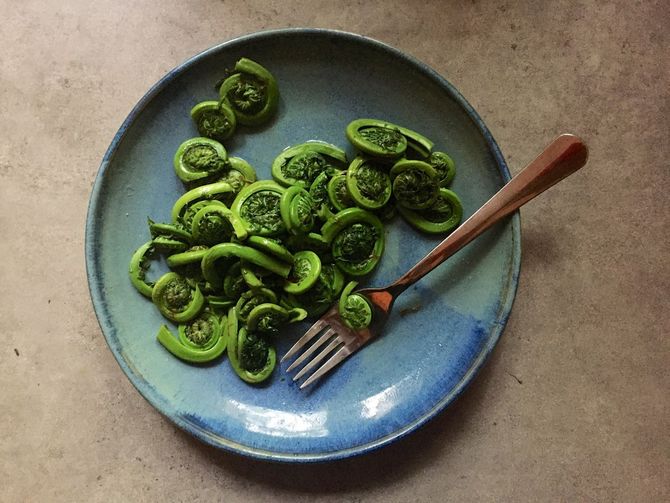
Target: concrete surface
{"points": [[573, 405]]}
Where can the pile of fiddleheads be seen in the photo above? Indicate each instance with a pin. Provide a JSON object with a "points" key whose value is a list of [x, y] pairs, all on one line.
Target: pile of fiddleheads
{"points": [[248, 257]]}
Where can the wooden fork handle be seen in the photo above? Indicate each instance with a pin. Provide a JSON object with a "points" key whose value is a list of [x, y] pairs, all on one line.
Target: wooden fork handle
{"points": [[565, 155]]}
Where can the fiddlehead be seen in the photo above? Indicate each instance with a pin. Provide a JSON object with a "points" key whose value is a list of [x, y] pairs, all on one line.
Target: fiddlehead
{"points": [[251, 92], [239, 175], [268, 319], [267, 243], [201, 340], [301, 164], [368, 183], [212, 224], [199, 159], [445, 167], [221, 192], [377, 138], [297, 210], [201, 333], [322, 294], [167, 238], [252, 359], [319, 192], [443, 216], [258, 208], [214, 120], [415, 184], [354, 308], [175, 298], [312, 241], [139, 265], [338, 193], [384, 140], [249, 300], [304, 273], [357, 240]]}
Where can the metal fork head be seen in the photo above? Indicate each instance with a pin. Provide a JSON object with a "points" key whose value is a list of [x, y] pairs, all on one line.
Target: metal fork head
{"points": [[330, 341], [337, 339]]}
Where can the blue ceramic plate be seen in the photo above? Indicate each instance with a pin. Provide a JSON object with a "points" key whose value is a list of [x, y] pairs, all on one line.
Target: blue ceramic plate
{"points": [[442, 330]]}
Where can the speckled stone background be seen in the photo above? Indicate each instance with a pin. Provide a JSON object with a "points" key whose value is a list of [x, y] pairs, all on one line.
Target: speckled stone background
{"points": [[574, 403]]}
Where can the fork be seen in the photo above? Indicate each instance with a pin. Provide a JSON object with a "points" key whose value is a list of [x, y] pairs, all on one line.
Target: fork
{"points": [[565, 155]]}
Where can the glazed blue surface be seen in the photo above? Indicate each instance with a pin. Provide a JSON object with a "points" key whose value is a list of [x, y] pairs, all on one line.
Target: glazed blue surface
{"points": [[423, 361]]}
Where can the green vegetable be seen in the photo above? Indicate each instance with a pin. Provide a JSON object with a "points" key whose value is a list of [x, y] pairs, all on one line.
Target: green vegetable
{"points": [[301, 164], [379, 139], [384, 140], [187, 263], [185, 220], [321, 296], [386, 212], [226, 251], [191, 256], [251, 92], [443, 216], [214, 120], [368, 183], [175, 298], [253, 351], [201, 333], [203, 340], [139, 265], [256, 277], [338, 193], [357, 240], [167, 245], [252, 276], [319, 192], [168, 238], [239, 175], [271, 247], [253, 249], [199, 158], [200, 340], [168, 231], [233, 282], [415, 184], [269, 318], [218, 304], [222, 192], [311, 241], [421, 145], [251, 357], [256, 356], [249, 300], [304, 273], [258, 208], [212, 224], [355, 310], [354, 249], [445, 167], [297, 210]]}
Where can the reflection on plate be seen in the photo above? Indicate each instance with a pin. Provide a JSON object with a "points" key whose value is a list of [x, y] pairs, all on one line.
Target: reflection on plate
{"points": [[442, 329]]}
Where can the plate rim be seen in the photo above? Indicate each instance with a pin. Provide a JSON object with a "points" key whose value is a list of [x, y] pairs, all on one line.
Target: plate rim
{"points": [[148, 392]]}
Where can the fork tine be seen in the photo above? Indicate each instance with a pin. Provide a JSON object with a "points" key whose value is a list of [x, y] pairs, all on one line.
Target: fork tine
{"points": [[315, 361], [311, 333], [322, 340], [334, 360]]}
